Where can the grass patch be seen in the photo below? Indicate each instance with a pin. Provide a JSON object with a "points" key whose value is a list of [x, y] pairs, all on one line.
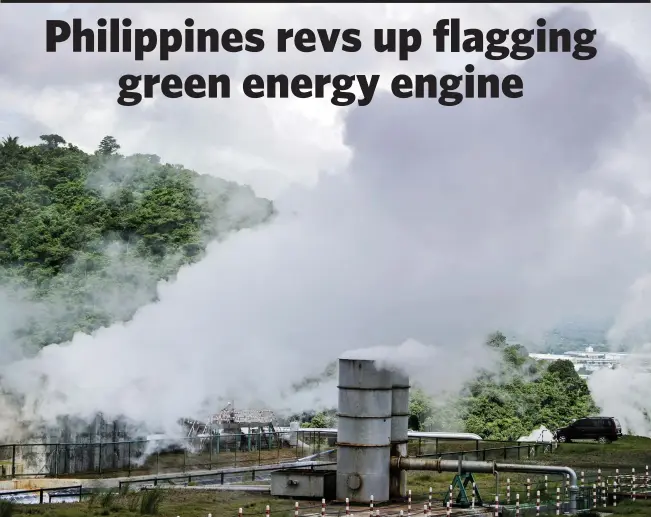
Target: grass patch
{"points": [[638, 508], [167, 503], [6, 508], [150, 502]]}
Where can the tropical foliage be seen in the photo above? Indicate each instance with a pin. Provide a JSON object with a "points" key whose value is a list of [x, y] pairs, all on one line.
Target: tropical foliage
{"points": [[85, 238]]}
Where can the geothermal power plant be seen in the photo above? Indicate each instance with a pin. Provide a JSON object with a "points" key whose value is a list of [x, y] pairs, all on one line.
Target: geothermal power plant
{"points": [[372, 456], [372, 435]]}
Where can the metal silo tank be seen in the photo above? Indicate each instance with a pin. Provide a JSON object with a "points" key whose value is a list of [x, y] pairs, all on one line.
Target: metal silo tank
{"points": [[399, 430], [364, 431]]}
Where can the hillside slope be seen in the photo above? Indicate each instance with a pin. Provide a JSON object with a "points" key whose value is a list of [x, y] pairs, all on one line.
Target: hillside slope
{"points": [[85, 238]]}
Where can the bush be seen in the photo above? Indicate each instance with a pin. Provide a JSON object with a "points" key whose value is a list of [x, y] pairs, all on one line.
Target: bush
{"points": [[107, 499], [150, 502], [6, 508]]}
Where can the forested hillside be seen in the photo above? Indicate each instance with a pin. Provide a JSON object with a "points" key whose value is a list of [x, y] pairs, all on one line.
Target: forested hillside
{"points": [[85, 238], [522, 395]]}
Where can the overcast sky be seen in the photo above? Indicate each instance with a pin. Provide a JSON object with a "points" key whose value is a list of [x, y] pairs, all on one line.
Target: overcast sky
{"points": [[428, 222], [267, 143]]}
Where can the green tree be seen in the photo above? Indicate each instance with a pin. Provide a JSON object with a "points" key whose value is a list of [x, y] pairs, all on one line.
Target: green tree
{"points": [[108, 146], [52, 141], [321, 420], [515, 355], [496, 340], [79, 230], [420, 408]]}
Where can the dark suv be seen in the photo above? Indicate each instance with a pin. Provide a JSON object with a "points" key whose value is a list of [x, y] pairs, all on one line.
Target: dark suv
{"points": [[604, 429]]}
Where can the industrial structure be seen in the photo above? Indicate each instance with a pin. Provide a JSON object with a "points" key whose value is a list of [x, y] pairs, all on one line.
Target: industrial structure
{"points": [[371, 445], [372, 435], [234, 426]]}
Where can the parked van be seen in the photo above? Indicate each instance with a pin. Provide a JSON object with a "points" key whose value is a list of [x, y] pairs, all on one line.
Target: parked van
{"points": [[604, 429]]}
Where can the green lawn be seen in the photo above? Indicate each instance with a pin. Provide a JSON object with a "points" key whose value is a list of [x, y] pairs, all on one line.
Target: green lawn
{"points": [[587, 457]]}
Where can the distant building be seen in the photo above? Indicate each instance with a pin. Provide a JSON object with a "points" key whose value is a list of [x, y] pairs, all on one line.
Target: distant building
{"points": [[590, 361]]}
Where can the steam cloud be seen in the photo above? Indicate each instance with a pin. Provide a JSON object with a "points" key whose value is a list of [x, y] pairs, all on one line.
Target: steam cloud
{"points": [[450, 223]]}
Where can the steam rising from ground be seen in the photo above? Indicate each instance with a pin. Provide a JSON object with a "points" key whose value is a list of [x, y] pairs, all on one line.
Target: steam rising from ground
{"points": [[450, 223], [625, 392]]}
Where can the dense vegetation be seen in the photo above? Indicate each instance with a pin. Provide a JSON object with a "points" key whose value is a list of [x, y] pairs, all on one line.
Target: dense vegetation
{"points": [[500, 405], [85, 238], [522, 396]]}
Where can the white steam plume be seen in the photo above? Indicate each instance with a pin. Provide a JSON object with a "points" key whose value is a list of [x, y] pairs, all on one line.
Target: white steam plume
{"points": [[625, 392], [450, 223]]}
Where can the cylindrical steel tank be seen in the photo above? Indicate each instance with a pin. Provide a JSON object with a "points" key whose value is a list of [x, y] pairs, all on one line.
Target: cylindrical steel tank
{"points": [[399, 430], [364, 431]]}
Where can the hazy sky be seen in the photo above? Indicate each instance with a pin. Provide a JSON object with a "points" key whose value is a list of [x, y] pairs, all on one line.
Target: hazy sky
{"points": [[267, 143], [431, 223]]}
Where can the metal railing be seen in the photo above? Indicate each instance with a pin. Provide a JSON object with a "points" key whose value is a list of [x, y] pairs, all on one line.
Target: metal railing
{"points": [[141, 457], [514, 452], [221, 477], [51, 493], [154, 457]]}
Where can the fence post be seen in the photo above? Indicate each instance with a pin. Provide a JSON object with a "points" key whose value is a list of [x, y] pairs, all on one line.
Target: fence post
{"points": [[517, 505], [210, 445], [567, 484], [537, 503], [100, 456], [40, 496], [13, 461], [594, 495], [129, 458], [614, 494], [558, 500]]}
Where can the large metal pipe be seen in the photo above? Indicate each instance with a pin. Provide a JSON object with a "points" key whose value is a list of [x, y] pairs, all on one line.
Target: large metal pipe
{"points": [[399, 431], [489, 467], [332, 431], [364, 431]]}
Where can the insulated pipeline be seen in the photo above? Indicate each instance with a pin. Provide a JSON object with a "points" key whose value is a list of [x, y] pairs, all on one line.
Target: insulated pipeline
{"points": [[487, 467]]}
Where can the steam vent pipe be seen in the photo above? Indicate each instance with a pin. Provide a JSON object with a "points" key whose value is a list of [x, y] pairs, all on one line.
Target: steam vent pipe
{"points": [[364, 431], [490, 467], [399, 431]]}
